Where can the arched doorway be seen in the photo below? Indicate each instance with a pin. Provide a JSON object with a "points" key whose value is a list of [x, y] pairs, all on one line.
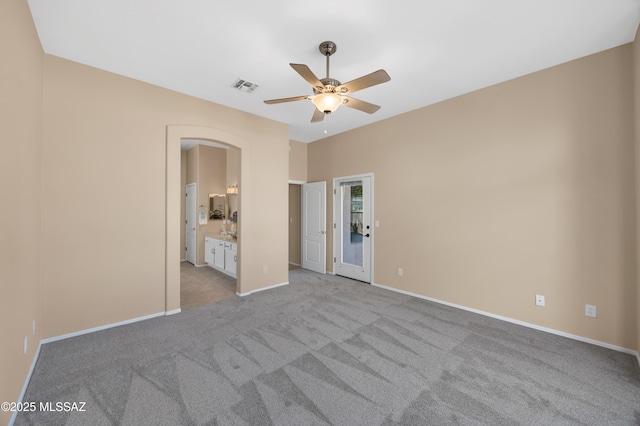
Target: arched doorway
{"points": [[173, 201]]}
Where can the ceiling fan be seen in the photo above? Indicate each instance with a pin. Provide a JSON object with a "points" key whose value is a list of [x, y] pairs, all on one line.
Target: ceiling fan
{"points": [[329, 93]]}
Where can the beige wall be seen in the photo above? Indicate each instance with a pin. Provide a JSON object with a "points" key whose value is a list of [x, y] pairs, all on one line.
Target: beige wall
{"points": [[526, 187], [523, 188], [21, 76], [233, 167], [295, 224], [108, 265], [297, 161]]}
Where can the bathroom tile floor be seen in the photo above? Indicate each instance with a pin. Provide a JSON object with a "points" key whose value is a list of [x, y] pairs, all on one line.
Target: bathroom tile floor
{"points": [[203, 285]]}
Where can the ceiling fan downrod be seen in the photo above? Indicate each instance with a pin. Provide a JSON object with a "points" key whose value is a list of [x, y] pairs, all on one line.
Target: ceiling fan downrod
{"points": [[328, 48]]}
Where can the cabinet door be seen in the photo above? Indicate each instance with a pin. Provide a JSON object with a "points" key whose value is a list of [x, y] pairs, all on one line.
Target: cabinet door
{"points": [[218, 254], [208, 251], [230, 261]]}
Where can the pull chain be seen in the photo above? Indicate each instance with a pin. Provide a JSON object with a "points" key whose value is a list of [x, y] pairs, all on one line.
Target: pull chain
{"points": [[326, 119]]}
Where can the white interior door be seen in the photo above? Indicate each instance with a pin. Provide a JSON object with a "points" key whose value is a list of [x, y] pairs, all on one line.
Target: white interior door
{"points": [[353, 232], [314, 233], [190, 213]]}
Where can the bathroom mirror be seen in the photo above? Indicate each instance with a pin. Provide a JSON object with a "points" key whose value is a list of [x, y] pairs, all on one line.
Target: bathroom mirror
{"points": [[217, 206]]}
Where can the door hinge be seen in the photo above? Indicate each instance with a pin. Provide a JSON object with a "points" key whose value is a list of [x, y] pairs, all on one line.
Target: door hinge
{"points": [[334, 226], [334, 260]]}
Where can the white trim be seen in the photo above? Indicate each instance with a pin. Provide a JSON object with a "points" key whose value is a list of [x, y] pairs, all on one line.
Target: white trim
{"points": [[295, 264], [175, 311], [262, 289], [297, 182], [26, 383], [103, 327], [518, 322]]}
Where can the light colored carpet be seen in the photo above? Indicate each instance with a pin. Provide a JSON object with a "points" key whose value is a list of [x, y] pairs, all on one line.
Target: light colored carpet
{"points": [[328, 350]]}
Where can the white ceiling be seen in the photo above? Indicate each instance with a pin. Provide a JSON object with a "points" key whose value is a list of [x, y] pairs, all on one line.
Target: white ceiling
{"points": [[432, 49]]}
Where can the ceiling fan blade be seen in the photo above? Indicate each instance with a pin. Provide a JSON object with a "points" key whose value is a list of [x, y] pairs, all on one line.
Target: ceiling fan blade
{"points": [[317, 115], [279, 101], [363, 82], [308, 75], [360, 105]]}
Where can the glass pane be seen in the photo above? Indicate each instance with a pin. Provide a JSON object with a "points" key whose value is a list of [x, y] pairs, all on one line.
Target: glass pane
{"points": [[352, 223]]}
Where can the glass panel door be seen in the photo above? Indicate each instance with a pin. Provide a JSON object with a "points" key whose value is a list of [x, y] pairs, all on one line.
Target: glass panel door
{"points": [[352, 225], [353, 235]]}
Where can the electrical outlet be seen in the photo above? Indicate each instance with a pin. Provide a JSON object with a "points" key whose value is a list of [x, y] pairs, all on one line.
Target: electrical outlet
{"points": [[590, 311], [400, 272], [539, 300]]}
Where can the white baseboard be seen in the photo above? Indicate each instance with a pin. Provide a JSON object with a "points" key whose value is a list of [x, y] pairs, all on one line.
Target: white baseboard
{"points": [[295, 264], [518, 322], [102, 327], [175, 311], [262, 289]]}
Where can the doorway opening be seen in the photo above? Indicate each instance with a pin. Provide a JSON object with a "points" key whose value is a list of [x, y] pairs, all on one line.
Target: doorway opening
{"points": [[295, 225], [174, 244], [210, 176]]}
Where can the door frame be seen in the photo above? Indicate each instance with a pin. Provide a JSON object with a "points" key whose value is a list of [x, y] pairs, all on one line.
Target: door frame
{"points": [[336, 238], [194, 219]]}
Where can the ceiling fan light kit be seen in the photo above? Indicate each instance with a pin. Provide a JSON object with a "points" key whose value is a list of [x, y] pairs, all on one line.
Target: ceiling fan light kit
{"points": [[329, 93], [327, 102]]}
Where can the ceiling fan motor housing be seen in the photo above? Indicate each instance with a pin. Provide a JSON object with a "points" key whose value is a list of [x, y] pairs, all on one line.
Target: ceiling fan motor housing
{"points": [[330, 85]]}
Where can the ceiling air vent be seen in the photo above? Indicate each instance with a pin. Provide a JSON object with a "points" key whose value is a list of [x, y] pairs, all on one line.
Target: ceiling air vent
{"points": [[244, 86]]}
